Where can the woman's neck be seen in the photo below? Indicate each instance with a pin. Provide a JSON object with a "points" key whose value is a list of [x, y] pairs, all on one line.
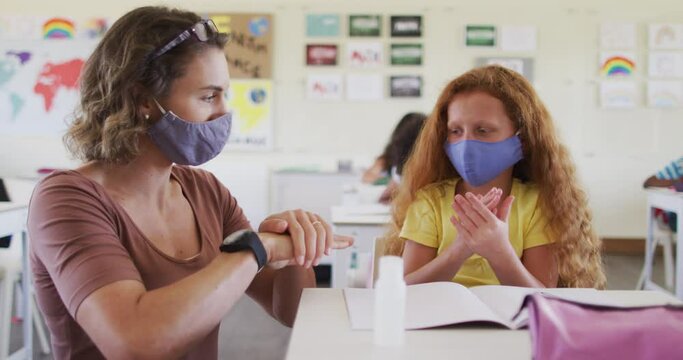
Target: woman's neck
{"points": [[148, 176]]}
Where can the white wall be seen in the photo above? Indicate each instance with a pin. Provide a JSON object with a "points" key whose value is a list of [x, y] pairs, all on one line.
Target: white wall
{"points": [[614, 150]]}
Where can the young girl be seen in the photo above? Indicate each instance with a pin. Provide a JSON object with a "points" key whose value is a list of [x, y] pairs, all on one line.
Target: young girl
{"points": [[489, 195]]}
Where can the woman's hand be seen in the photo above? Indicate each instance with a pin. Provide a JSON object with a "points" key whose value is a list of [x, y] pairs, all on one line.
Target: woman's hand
{"points": [[483, 230], [310, 237]]}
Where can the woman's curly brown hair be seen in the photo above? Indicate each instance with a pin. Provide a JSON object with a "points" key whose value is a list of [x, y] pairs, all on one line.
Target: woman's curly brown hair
{"points": [[121, 73]]}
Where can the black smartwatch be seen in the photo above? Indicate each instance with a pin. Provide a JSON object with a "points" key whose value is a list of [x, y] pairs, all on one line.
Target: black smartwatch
{"points": [[246, 240]]}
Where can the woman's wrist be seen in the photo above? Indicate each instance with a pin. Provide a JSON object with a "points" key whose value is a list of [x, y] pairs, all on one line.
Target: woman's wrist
{"points": [[276, 246]]}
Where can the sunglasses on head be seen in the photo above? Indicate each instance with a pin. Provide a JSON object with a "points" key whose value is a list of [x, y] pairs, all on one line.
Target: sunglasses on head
{"points": [[202, 31]]}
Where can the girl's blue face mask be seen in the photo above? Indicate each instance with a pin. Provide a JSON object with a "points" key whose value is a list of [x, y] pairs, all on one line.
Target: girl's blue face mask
{"points": [[190, 143], [479, 162]]}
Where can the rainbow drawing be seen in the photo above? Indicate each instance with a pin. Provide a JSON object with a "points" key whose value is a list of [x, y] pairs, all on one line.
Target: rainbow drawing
{"points": [[617, 66], [58, 28]]}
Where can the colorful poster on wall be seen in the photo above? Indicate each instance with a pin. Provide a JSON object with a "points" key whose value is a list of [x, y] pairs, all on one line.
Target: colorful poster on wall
{"points": [[365, 54], [364, 87], [480, 35], [405, 86], [617, 64], [58, 28], [324, 87], [518, 38], [665, 36], [406, 54], [321, 54], [92, 28], [250, 49], [524, 66], [322, 25], [365, 25], [39, 85], [618, 94], [665, 64], [665, 94], [618, 36], [406, 26], [251, 104]]}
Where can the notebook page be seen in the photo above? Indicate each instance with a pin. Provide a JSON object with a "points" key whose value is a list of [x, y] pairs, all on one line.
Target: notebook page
{"points": [[427, 305]]}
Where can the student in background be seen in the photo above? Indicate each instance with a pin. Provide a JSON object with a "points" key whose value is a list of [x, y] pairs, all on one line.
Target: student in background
{"points": [[671, 176], [396, 150], [402, 141], [128, 251], [489, 195]]}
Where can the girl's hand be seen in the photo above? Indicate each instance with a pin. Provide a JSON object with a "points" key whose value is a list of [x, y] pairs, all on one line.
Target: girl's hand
{"points": [[483, 230]]}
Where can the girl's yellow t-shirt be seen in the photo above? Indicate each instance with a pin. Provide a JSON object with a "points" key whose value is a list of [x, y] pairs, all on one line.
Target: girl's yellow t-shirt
{"points": [[428, 223]]}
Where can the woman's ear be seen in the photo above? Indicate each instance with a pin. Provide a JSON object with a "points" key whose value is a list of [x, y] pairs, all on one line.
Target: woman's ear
{"points": [[145, 104]]}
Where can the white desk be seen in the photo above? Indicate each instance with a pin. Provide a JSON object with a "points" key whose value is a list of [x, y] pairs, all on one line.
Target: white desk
{"points": [[364, 223], [322, 330], [13, 221], [670, 201]]}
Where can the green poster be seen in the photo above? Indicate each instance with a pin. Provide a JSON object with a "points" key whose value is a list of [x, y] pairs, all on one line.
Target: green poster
{"points": [[480, 35], [322, 25], [365, 25], [406, 54]]}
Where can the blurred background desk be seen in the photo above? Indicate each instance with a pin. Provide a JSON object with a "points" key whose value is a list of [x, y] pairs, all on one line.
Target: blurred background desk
{"points": [[364, 223], [667, 200]]}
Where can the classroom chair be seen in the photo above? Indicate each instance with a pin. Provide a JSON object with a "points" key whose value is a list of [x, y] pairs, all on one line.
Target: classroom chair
{"points": [[10, 267], [10, 274], [664, 236], [378, 247]]}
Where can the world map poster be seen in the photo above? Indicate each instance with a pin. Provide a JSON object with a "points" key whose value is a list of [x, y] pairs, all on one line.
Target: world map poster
{"points": [[39, 85]]}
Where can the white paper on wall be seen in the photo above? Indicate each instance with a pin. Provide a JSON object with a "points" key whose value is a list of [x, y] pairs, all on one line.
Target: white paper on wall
{"points": [[665, 36], [324, 87], [618, 94], [665, 94], [364, 87], [365, 54], [618, 36], [518, 38], [665, 64]]}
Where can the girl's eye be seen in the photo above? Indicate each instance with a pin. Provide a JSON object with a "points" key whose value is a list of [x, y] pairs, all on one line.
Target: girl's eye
{"points": [[455, 131], [482, 130]]}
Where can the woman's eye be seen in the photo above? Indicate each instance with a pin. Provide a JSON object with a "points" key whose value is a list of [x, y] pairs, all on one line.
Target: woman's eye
{"points": [[482, 130], [209, 98]]}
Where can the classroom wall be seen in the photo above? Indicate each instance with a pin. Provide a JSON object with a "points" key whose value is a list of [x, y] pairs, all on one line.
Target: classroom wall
{"points": [[614, 150]]}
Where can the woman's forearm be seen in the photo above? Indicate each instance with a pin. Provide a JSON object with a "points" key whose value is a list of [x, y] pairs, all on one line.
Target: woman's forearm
{"points": [[288, 285], [443, 267]]}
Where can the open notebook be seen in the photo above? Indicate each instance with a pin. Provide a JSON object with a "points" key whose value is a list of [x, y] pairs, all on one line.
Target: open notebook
{"points": [[445, 303]]}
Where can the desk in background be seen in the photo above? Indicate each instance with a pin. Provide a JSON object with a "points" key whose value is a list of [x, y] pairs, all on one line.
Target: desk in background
{"points": [[13, 221], [322, 330], [364, 223], [670, 201]]}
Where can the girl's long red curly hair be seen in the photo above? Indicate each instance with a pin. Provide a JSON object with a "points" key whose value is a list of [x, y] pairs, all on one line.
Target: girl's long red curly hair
{"points": [[546, 163]]}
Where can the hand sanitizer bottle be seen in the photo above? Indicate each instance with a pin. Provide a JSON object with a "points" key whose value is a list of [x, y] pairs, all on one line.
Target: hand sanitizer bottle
{"points": [[390, 303]]}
